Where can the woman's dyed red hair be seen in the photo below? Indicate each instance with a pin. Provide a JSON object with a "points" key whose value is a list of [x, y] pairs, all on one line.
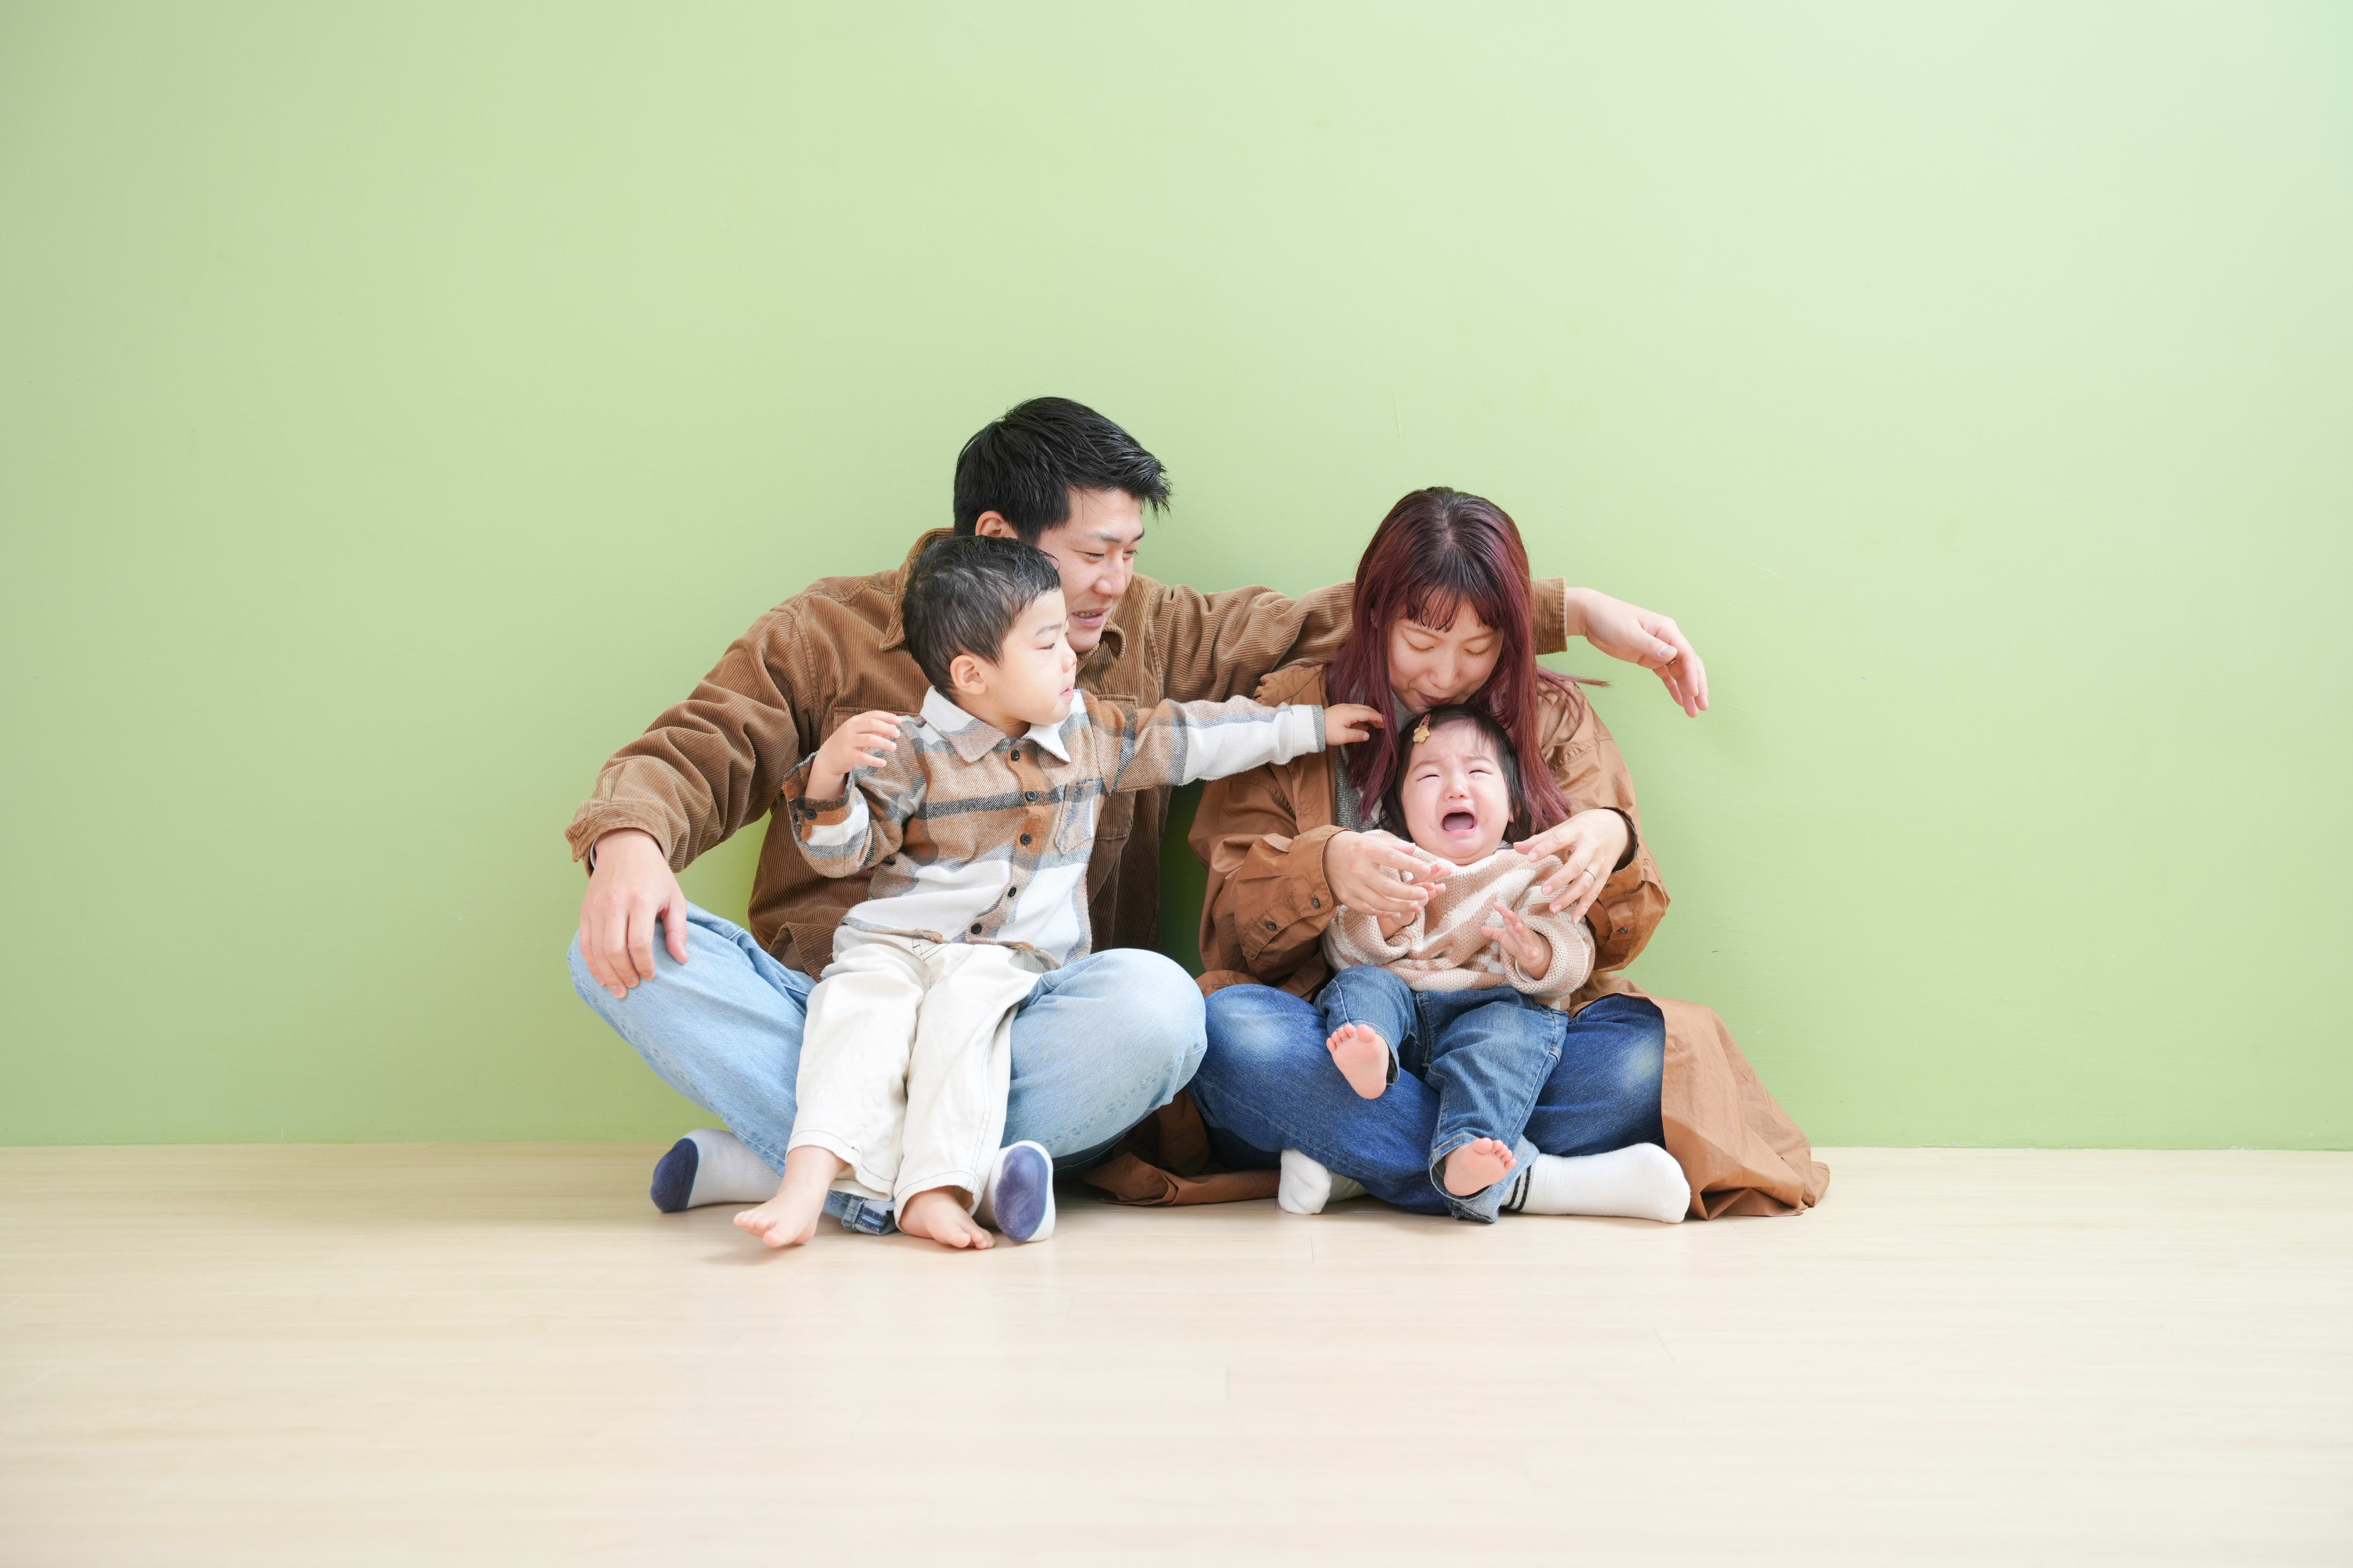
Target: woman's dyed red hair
{"points": [[1438, 551]]}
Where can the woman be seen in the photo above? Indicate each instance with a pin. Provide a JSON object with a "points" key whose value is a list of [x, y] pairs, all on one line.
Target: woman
{"points": [[1441, 616]]}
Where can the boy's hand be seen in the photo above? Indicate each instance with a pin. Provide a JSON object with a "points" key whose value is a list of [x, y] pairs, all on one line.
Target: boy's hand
{"points": [[1346, 722], [1529, 949], [866, 742], [1392, 924]]}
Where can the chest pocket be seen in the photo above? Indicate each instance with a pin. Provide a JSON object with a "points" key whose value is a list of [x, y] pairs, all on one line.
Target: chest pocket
{"points": [[1115, 813], [1109, 818]]}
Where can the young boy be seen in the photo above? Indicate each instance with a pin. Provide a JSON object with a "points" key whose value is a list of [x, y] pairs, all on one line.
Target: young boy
{"points": [[1470, 987], [977, 819]]}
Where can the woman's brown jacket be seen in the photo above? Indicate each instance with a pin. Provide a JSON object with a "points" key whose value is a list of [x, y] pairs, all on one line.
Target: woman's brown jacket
{"points": [[1263, 836]]}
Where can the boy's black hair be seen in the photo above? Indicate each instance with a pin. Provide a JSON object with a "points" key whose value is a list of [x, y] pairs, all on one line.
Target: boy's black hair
{"points": [[1024, 466], [963, 596], [1431, 724]]}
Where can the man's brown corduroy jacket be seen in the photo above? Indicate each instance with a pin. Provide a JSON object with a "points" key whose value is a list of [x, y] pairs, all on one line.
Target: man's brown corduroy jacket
{"points": [[715, 762]]}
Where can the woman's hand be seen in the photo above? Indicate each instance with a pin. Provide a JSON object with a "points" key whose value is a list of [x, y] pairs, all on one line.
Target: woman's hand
{"points": [[1589, 844], [1633, 633], [1530, 950], [1345, 723], [1358, 868]]}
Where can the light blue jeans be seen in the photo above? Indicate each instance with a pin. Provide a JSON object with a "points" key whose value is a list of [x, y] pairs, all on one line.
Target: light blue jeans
{"points": [[1100, 1045]]}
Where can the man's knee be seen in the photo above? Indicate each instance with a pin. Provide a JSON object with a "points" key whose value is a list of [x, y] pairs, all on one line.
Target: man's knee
{"points": [[1159, 1011], [592, 990]]}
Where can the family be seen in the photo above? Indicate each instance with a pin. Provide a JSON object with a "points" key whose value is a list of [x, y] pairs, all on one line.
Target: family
{"points": [[1427, 875]]}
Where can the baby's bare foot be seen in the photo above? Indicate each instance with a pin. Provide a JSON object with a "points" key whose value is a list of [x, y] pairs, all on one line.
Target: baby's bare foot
{"points": [[1476, 1166], [1362, 1056], [790, 1217], [937, 1214]]}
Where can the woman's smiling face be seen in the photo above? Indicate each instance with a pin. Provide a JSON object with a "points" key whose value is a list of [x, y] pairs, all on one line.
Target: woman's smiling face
{"points": [[1431, 666]]}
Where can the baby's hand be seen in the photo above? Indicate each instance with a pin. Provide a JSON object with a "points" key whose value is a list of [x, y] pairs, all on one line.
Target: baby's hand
{"points": [[866, 742], [1529, 949], [1344, 723]]}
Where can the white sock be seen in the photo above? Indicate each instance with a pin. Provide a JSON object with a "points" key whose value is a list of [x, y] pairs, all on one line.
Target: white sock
{"points": [[1639, 1181], [1308, 1187], [726, 1170]]}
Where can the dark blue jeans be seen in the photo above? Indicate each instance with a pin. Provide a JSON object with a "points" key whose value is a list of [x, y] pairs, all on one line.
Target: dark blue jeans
{"points": [[1267, 1084], [1486, 1053]]}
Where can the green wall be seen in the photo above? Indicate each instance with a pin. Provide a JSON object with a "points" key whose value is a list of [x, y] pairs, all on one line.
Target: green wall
{"points": [[400, 405]]}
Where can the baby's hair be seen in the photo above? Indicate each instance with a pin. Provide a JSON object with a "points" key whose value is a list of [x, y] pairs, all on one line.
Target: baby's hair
{"points": [[1446, 718], [963, 595]]}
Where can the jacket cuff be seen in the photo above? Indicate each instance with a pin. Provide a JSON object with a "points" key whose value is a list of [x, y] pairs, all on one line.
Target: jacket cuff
{"points": [[1633, 839], [1548, 607], [1299, 731], [1301, 895], [1306, 894], [597, 818]]}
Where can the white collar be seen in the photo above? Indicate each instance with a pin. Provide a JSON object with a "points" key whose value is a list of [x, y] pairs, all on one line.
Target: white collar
{"points": [[974, 738]]}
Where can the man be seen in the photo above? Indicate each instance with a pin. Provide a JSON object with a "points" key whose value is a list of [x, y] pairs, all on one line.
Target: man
{"points": [[717, 1010]]}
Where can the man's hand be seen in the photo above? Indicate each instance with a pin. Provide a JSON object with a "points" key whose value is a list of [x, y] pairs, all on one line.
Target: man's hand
{"points": [[1633, 633], [866, 742], [631, 885], [1353, 865], [1346, 722], [1530, 950], [1589, 844]]}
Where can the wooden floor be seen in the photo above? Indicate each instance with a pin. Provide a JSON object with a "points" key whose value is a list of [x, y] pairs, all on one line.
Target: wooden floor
{"points": [[457, 1354]]}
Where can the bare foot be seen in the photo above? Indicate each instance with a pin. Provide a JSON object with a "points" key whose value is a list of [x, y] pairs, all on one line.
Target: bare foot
{"points": [[938, 1215], [1477, 1165], [790, 1217], [1362, 1056]]}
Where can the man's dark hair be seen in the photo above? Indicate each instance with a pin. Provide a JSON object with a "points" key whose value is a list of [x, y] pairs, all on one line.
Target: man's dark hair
{"points": [[963, 596], [1495, 735], [1024, 466]]}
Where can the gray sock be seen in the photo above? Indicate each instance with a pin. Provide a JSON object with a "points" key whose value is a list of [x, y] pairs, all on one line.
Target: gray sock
{"points": [[709, 1166]]}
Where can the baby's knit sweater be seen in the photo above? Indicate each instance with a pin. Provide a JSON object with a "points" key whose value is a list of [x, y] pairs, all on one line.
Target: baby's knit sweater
{"points": [[1444, 948]]}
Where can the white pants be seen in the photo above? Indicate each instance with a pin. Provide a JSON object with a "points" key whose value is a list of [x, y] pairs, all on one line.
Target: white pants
{"points": [[906, 1059]]}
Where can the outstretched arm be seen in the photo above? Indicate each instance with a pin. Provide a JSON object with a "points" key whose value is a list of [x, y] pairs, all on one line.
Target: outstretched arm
{"points": [[1214, 646], [1638, 636]]}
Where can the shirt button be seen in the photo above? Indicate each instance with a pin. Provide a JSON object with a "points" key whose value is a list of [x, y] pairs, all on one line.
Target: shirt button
{"points": [[1028, 794], [1025, 838], [976, 931], [1314, 903], [1269, 925], [1014, 755]]}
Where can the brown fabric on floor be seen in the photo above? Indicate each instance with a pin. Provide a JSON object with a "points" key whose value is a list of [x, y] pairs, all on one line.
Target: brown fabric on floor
{"points": [[1168, 1160]]}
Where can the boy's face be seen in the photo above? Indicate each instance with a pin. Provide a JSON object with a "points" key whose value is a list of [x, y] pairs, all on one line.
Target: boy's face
{"points": [[1095, 548], [1031, 680], [1456, 801]]}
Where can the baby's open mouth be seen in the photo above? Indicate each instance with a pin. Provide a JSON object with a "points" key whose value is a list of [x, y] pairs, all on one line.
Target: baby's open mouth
{"points": [[1457, 822]]}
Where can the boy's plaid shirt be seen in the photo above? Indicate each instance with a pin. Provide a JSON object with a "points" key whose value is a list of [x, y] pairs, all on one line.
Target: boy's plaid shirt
{"points": [[975, 836]]}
